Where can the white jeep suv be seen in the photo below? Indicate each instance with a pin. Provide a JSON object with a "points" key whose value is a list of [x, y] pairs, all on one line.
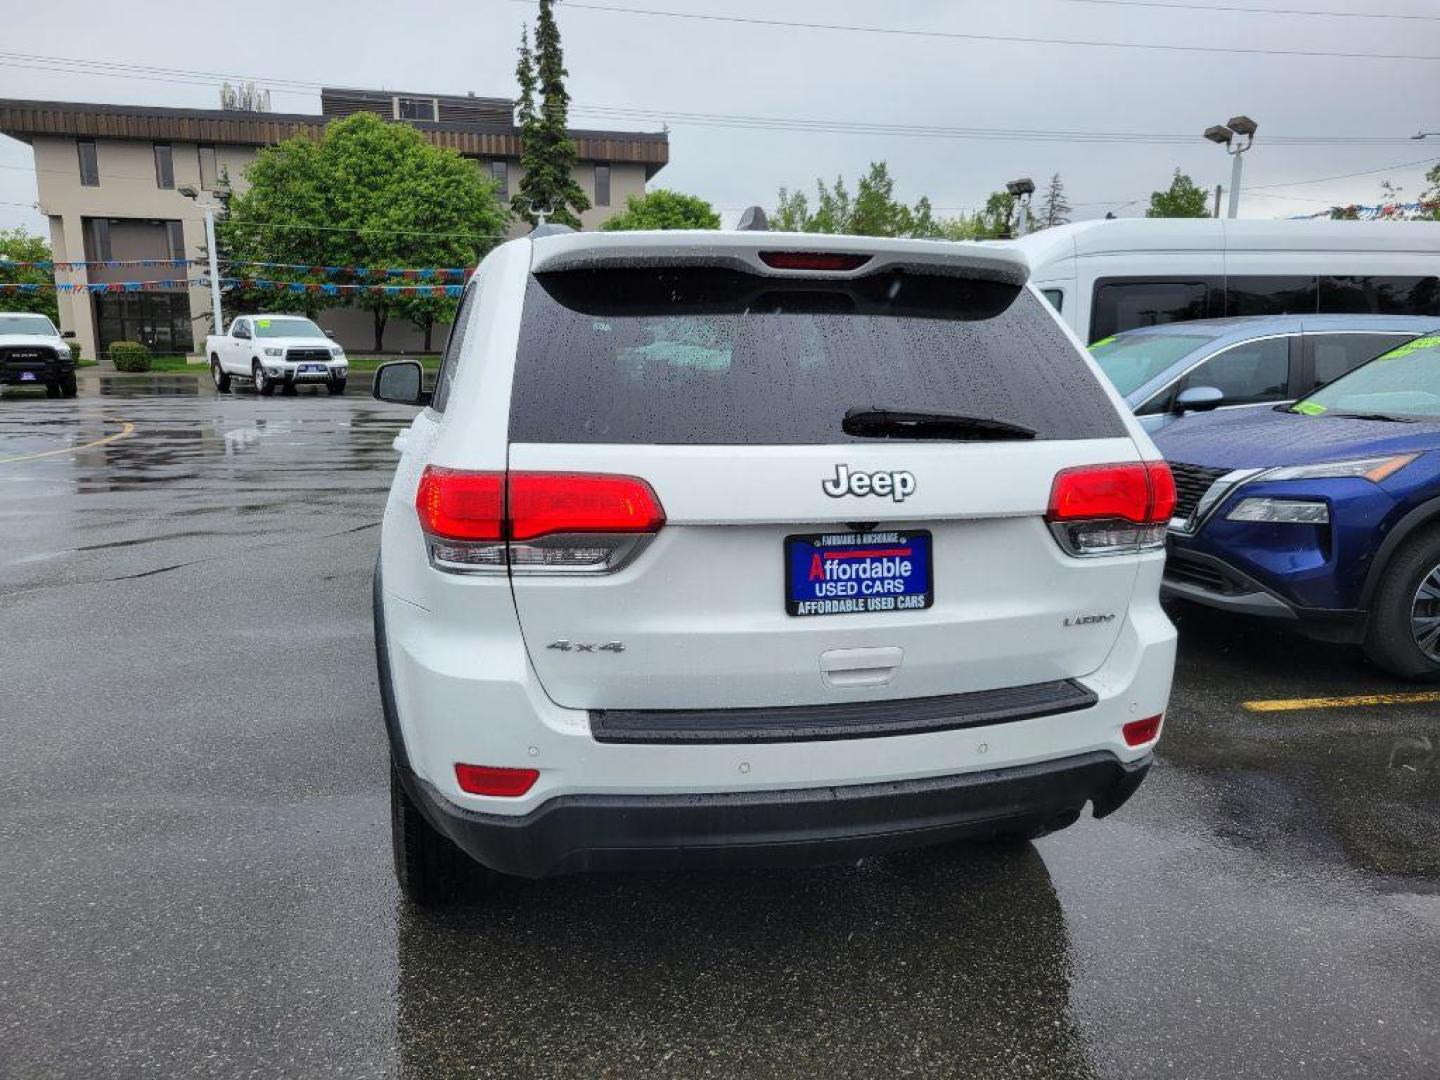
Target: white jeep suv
{"points": [[764, 548]]}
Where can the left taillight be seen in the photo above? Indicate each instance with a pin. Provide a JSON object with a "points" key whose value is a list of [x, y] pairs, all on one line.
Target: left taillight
{"points": [[1111, 509], [535, 522]]}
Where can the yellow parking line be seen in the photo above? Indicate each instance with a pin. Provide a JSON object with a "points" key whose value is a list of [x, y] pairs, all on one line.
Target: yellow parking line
{"points": [[126, 429], [1289, 704]]}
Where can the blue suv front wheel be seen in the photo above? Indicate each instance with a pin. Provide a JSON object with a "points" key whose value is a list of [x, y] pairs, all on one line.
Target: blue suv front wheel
{"points": [[1403, 635]]}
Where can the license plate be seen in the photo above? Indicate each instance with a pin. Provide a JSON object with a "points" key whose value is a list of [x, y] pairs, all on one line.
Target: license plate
{"points": [[858, 573], [27, 376], [314, 369]]}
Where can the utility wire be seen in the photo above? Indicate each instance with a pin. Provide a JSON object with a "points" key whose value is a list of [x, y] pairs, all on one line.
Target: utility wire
{"points": [[146, 72], [1258, 11], [958, 36]]}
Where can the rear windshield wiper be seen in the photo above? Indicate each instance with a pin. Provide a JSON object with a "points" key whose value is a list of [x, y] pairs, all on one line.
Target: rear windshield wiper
{"points": [[897, 423], [1387, 417]]}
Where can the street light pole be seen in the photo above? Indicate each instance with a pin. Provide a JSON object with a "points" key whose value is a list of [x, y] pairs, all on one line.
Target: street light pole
{"points": [[209, 208], [215, 266], [1233, 211], [1224, 135]]}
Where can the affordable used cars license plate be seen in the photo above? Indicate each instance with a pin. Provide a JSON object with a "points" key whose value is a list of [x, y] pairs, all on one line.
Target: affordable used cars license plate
{"points": [[849, 573], [314, 369]]}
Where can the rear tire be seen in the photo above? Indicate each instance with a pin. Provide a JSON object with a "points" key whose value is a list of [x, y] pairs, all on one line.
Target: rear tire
{"points": [[337, 387], [264, 385], [429, 868], [218, 373], [52, 390], [1404, 632], [68, 386]]}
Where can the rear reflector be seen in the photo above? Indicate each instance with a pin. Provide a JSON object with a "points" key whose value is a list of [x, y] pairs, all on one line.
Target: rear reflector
{"points": [[1111, 509], [1140, 732], [490, 780], [488, 522], [834, 261]]}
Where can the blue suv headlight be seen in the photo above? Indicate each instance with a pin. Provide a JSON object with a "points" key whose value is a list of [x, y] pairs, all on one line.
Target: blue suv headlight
{"points": [[1293, 511], [1374, 469]]}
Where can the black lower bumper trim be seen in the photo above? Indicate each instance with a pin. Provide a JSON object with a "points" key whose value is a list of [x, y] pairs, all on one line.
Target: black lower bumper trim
{"points": [[805, 826], [1211, 582], [841, 720]]}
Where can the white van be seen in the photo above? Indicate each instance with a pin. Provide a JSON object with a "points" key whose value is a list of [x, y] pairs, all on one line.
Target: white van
{"points": [[1109, 276]]}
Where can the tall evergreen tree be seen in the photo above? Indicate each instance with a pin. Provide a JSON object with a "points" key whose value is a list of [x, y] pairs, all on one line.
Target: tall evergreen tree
{"points": [[1055, 209], [547, 154]]}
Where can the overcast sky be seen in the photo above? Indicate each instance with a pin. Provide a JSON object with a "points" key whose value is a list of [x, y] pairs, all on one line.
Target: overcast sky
{"points": [[675, 65]]}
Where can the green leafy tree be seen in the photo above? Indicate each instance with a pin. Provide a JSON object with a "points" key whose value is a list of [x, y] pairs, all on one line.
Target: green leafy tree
{"points": [[662, 209], [19, 245], [872, 211], [1430, 197], [1054, 208], [368, 194], [547, 153], [1181, 200]]}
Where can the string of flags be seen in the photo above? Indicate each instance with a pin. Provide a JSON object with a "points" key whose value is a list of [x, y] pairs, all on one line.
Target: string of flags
{"points": [[323, 288], [1374, 213], [427, 273]]}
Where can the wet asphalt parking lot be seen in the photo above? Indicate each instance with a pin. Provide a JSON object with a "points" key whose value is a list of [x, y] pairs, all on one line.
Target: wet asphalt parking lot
{"points": [[194, 834]]}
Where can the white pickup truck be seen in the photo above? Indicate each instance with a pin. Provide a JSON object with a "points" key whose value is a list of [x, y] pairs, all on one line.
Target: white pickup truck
{"points": [[33, 354], [287, 351]]}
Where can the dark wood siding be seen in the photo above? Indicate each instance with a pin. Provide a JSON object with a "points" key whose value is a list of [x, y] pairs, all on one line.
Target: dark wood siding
{"points": [[25, 119]]}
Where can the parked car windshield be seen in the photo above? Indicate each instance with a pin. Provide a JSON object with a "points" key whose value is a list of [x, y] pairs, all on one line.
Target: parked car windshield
{"points": [[709, 355], [1132, 360], [26, 324], [1402, 382], [303, 328]]}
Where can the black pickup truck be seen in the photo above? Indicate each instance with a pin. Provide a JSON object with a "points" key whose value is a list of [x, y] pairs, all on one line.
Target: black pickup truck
{"points": [[33, 353]]}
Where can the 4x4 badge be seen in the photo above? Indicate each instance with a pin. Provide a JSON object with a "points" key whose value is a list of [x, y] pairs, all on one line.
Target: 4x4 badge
{"points": [[897, 485]]}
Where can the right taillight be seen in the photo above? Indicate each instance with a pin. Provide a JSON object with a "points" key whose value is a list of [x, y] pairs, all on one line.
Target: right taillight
{"points": [[534, 522], [1111, 509]]}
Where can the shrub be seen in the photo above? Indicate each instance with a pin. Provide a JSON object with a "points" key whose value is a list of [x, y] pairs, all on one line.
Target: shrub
{"points": [[130, 356]]}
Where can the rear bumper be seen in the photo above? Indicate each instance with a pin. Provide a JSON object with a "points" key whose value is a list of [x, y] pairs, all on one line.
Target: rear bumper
{"points": [[806, 826]]}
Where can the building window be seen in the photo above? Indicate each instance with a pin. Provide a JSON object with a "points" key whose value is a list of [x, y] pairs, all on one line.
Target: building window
{"points": [[602, 185], [175, 233], [164, 166], [89, 163], [410, 108], [500, 173], [97, 239], [160, 320], [209, 170]]}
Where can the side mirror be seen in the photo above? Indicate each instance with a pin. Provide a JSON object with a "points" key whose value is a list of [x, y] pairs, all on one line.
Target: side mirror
{"points": [[67, 333], [1199, 399], [401, 382], [330, 334], [243, 335]]}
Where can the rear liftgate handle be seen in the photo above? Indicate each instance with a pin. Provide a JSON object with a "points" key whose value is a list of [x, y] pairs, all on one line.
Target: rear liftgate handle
{"points": [[860, 667]]}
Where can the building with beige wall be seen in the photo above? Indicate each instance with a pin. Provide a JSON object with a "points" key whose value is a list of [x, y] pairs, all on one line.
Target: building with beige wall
{"points": [[109, 179]]}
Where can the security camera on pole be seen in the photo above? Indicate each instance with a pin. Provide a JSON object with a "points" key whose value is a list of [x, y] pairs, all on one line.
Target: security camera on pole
{"points": [[1225, 135]]}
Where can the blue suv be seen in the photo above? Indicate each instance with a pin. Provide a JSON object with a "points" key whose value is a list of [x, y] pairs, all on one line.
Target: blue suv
{"points": [[1324, 514]]}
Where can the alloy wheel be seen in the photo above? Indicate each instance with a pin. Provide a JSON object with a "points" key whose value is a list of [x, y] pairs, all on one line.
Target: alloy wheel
{"points": [[1425, 615]]}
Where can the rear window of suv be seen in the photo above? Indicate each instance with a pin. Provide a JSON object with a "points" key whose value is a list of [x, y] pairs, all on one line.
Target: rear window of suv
{"points": [[714, 356]]}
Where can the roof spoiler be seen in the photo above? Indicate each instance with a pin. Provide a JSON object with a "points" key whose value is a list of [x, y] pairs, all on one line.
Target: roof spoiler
{"points": [[748, 252]]}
